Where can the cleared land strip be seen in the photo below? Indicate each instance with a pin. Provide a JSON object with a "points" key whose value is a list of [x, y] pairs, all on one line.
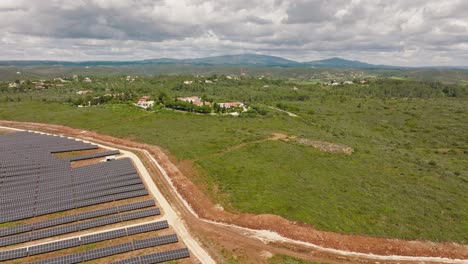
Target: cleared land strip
{"points": [[94, 155]]}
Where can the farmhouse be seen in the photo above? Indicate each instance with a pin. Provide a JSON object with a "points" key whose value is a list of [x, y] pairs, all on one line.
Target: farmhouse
{"points": [[144, 102], [231, 104], [190, 99], [194, 100]]}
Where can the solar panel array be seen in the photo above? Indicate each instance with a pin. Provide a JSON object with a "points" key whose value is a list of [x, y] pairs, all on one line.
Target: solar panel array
{"points": [[83, 240], [111, 250], [157, 257], [80, 226], [94, 155], [33, 182]]}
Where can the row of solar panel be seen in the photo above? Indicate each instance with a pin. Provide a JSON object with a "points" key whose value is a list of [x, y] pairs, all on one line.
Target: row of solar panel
{"points": [[42, 189], [157, 257], [48, 192], [41, 181], [83, 240], [76, 217], [24, 214], [45, 187], [73, 182], [56, 171], [111, 250], [33, 161], [35, 196], [61, 164], [28, 137], [65, 229], [94, 155], [50, 147], [49, 186], [65, 199], [41, 184]]}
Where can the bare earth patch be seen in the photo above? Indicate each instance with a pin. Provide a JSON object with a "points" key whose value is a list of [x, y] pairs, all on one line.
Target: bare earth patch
{"points": [[274, 137], [326, 146]]}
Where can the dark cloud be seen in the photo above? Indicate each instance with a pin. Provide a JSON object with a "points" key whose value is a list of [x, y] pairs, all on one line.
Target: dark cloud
{"points": [[312, 11], [418, 32]]}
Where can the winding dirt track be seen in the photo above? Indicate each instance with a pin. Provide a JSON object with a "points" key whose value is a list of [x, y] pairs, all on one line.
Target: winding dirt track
{"points": [[245, 235]]}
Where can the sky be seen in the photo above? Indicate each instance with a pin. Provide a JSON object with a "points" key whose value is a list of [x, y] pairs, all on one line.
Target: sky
{"points": [[397, 32]]}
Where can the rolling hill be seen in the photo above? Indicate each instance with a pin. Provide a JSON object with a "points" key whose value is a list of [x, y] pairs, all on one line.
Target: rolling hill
{"points": [[226, 60]]}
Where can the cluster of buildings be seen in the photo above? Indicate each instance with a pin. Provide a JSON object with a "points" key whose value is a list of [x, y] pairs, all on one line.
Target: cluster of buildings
{"points": [[335, 83], [194, 100], [199, 102], [144, 102]]}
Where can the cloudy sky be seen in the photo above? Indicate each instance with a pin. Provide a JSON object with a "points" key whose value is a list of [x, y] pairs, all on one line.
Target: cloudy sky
{"points": [[398, 32]]}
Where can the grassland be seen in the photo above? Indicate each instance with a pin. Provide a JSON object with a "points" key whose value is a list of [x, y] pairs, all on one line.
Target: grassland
{"points": [[407, 177]]}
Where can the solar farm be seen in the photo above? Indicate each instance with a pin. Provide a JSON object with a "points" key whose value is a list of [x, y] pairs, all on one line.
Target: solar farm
{"points": [[51, 212]]}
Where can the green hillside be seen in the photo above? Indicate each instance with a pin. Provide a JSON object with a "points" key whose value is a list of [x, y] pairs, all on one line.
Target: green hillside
{"points": [[407, 177]]}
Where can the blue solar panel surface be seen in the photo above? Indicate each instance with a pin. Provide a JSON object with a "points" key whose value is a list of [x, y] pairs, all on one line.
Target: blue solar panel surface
{"points": [[34, 182]]}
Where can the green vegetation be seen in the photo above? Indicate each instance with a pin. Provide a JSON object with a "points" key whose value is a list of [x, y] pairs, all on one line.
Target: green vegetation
{"points": [[407, 177], [11, 224]]}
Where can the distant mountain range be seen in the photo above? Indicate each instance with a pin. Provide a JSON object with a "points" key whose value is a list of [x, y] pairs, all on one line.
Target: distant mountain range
{"points": [[228, 60]]}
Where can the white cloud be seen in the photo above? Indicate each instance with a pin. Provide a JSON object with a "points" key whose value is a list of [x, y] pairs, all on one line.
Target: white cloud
{"points": [[415, 32]]}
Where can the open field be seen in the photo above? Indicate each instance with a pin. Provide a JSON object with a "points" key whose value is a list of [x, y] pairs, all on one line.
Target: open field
{"points": [[406, 179]]}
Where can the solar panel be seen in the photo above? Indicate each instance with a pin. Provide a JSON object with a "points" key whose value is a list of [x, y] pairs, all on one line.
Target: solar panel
{"points": [[96, 213], [155, 241], [138, 205], [147, 227], [13, 254], [39, 249], [100, 222], [67, 259], [103, 236], [140, 214], [165, 256], [33, 179], [55, 221], [107, 251], [121, 196], [54, 231], [16, 239], [15, 230]]}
